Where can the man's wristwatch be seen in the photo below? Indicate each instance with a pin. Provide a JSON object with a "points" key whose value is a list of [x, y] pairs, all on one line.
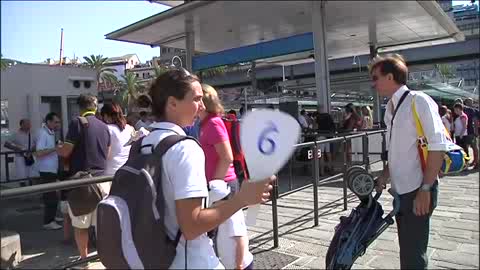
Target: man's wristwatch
{"points": [[426, 187]]}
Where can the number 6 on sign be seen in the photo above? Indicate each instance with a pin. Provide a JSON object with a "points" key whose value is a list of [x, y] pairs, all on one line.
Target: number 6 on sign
{"points": [[263, 139], [268, 140]]}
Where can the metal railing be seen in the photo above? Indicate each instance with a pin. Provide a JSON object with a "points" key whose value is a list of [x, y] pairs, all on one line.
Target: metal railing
{"points": [[315, 182]]}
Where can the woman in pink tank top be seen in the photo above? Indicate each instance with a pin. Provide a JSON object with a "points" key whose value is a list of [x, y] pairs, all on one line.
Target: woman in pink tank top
{"points": [[215, 141]]}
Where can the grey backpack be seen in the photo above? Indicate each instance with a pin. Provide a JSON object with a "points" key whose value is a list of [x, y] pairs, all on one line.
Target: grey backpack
{"points": [[131, 232]]}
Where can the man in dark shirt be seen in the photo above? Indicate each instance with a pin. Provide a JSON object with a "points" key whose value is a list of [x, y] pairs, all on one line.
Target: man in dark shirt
{"points": [[87, 148], [472, 140]]}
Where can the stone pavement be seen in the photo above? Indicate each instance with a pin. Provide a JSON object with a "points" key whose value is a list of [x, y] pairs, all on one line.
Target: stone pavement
{"points": [[454, 241]]}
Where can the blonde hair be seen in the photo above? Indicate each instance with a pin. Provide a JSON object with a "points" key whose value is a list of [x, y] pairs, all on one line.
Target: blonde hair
{"points": [[211, 100]]}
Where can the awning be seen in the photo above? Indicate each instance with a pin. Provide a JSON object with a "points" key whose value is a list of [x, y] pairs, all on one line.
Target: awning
{"points": [[222, 25]]}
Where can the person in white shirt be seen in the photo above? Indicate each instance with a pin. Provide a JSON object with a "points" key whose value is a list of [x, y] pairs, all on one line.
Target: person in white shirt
{"points": [[417, 189], [460, 126], [303, 120], [20, 141], [47, 164], [120, 135], [143, 121], [232, 235], [176, 99]]}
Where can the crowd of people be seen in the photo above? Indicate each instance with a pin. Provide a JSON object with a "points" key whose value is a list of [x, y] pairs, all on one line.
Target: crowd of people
{"points": [[100, 143], [462, 122]]}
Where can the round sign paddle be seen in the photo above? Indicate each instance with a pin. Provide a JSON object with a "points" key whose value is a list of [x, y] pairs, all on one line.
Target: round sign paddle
{"points": [[268, 140]]}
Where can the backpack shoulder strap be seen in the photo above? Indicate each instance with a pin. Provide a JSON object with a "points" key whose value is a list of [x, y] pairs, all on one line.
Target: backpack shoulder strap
{"points": [[418, 124], [83, 120], [168, 142]]}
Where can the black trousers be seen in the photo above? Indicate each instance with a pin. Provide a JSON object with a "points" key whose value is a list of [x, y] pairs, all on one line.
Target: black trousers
{"points": [[50, 199], [413, 231]]}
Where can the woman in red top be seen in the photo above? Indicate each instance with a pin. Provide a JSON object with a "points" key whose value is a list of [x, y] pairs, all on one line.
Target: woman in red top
{"points": [[215, 142]]}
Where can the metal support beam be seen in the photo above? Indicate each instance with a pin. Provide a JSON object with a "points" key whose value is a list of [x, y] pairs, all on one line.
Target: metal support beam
{"points": [[322, 79], [372, 36], [189, 42]]}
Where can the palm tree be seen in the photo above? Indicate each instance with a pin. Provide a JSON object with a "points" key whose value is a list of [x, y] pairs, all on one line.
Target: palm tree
{"points": [[130, 89], [447, 71], [3, 63], [98, 63], [159, 71]]}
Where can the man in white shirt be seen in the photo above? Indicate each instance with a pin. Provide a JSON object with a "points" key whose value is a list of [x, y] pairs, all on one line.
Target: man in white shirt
{"points": [[21, 141], [418, 189], [302, 119], [47, 164]]}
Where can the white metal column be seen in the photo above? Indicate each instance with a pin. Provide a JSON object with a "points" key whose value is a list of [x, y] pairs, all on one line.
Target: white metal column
{"points": [[322, 78], [189, 42], [372, 35]]}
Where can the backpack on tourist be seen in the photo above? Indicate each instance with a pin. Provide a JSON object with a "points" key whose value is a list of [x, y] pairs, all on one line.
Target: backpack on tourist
{"points": [[233, 129], [131, 231]]}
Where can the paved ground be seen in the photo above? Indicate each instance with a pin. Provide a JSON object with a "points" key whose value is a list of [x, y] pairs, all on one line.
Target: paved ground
{"points": [[454, 240]]}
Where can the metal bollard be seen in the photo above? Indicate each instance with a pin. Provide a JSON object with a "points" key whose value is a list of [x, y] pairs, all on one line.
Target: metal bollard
{"points": [[275, 213], [366, 157], [345, 157], [315, 179]]}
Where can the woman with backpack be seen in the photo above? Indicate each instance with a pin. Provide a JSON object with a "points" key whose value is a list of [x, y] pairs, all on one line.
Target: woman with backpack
{"points": [[180, 207], [215, 141]]}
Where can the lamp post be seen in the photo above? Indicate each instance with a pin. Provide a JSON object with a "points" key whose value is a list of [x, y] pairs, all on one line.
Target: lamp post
{"points": [[179, 59], [359, 63]]}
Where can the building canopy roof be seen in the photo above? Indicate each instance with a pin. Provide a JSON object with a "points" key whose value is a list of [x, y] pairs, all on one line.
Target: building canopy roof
{"points": [[222, 25]]}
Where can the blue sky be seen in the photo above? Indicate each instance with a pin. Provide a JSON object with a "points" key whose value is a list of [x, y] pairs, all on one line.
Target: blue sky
{"points": [[30, 30]]}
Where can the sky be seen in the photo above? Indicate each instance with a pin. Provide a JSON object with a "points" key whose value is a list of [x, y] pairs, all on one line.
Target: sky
{"points": [[30, 30]]}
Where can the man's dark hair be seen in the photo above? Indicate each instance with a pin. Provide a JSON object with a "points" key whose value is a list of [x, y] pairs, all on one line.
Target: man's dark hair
{"points": [[302, 112], [22, 121], [50, 116], [232, 112], [87, 102], [173, 83]]}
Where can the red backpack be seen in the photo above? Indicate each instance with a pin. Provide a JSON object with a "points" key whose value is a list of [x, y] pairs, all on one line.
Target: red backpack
{"points": [[233, 129]]}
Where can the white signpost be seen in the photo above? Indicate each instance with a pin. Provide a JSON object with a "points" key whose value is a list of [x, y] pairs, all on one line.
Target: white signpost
{"points": [[268, 140]]}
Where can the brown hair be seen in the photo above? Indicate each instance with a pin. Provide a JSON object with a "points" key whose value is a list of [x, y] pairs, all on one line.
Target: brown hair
{"points": [[391, 63], [173, 83], [115, 112], [458, 105], [210, 100], [87, 102]]}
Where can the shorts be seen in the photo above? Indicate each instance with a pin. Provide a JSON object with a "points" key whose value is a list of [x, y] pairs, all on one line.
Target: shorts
{"points": [[325, 147], [84, 221]]}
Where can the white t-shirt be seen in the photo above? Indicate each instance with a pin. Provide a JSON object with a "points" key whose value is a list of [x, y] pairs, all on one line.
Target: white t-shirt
{"points": [[118, 153], [141, 124], [20, 138], [234, 226], [183, 177], [46, 140], [458, 126]]}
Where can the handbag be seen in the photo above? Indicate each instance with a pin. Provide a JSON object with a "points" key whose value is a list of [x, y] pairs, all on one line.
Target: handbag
{"points": [[28, 157], [455, 159], [83, 200]]}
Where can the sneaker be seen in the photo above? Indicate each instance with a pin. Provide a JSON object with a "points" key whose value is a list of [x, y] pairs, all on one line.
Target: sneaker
{"points": [[52, 226], [59, 219]]}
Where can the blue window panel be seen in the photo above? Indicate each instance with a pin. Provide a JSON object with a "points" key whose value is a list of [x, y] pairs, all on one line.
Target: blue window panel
{"points": [[278, 47]]}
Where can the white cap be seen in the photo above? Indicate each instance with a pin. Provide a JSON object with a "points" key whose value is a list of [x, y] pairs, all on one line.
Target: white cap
{"points": [[218, 190]]}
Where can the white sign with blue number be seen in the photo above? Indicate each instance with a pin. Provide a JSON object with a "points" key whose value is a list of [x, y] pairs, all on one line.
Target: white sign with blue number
{"points": [[268, 140]]}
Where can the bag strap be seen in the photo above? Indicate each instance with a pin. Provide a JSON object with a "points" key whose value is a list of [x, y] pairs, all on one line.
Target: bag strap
{"points": [[29, 141], [396, 110]]}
